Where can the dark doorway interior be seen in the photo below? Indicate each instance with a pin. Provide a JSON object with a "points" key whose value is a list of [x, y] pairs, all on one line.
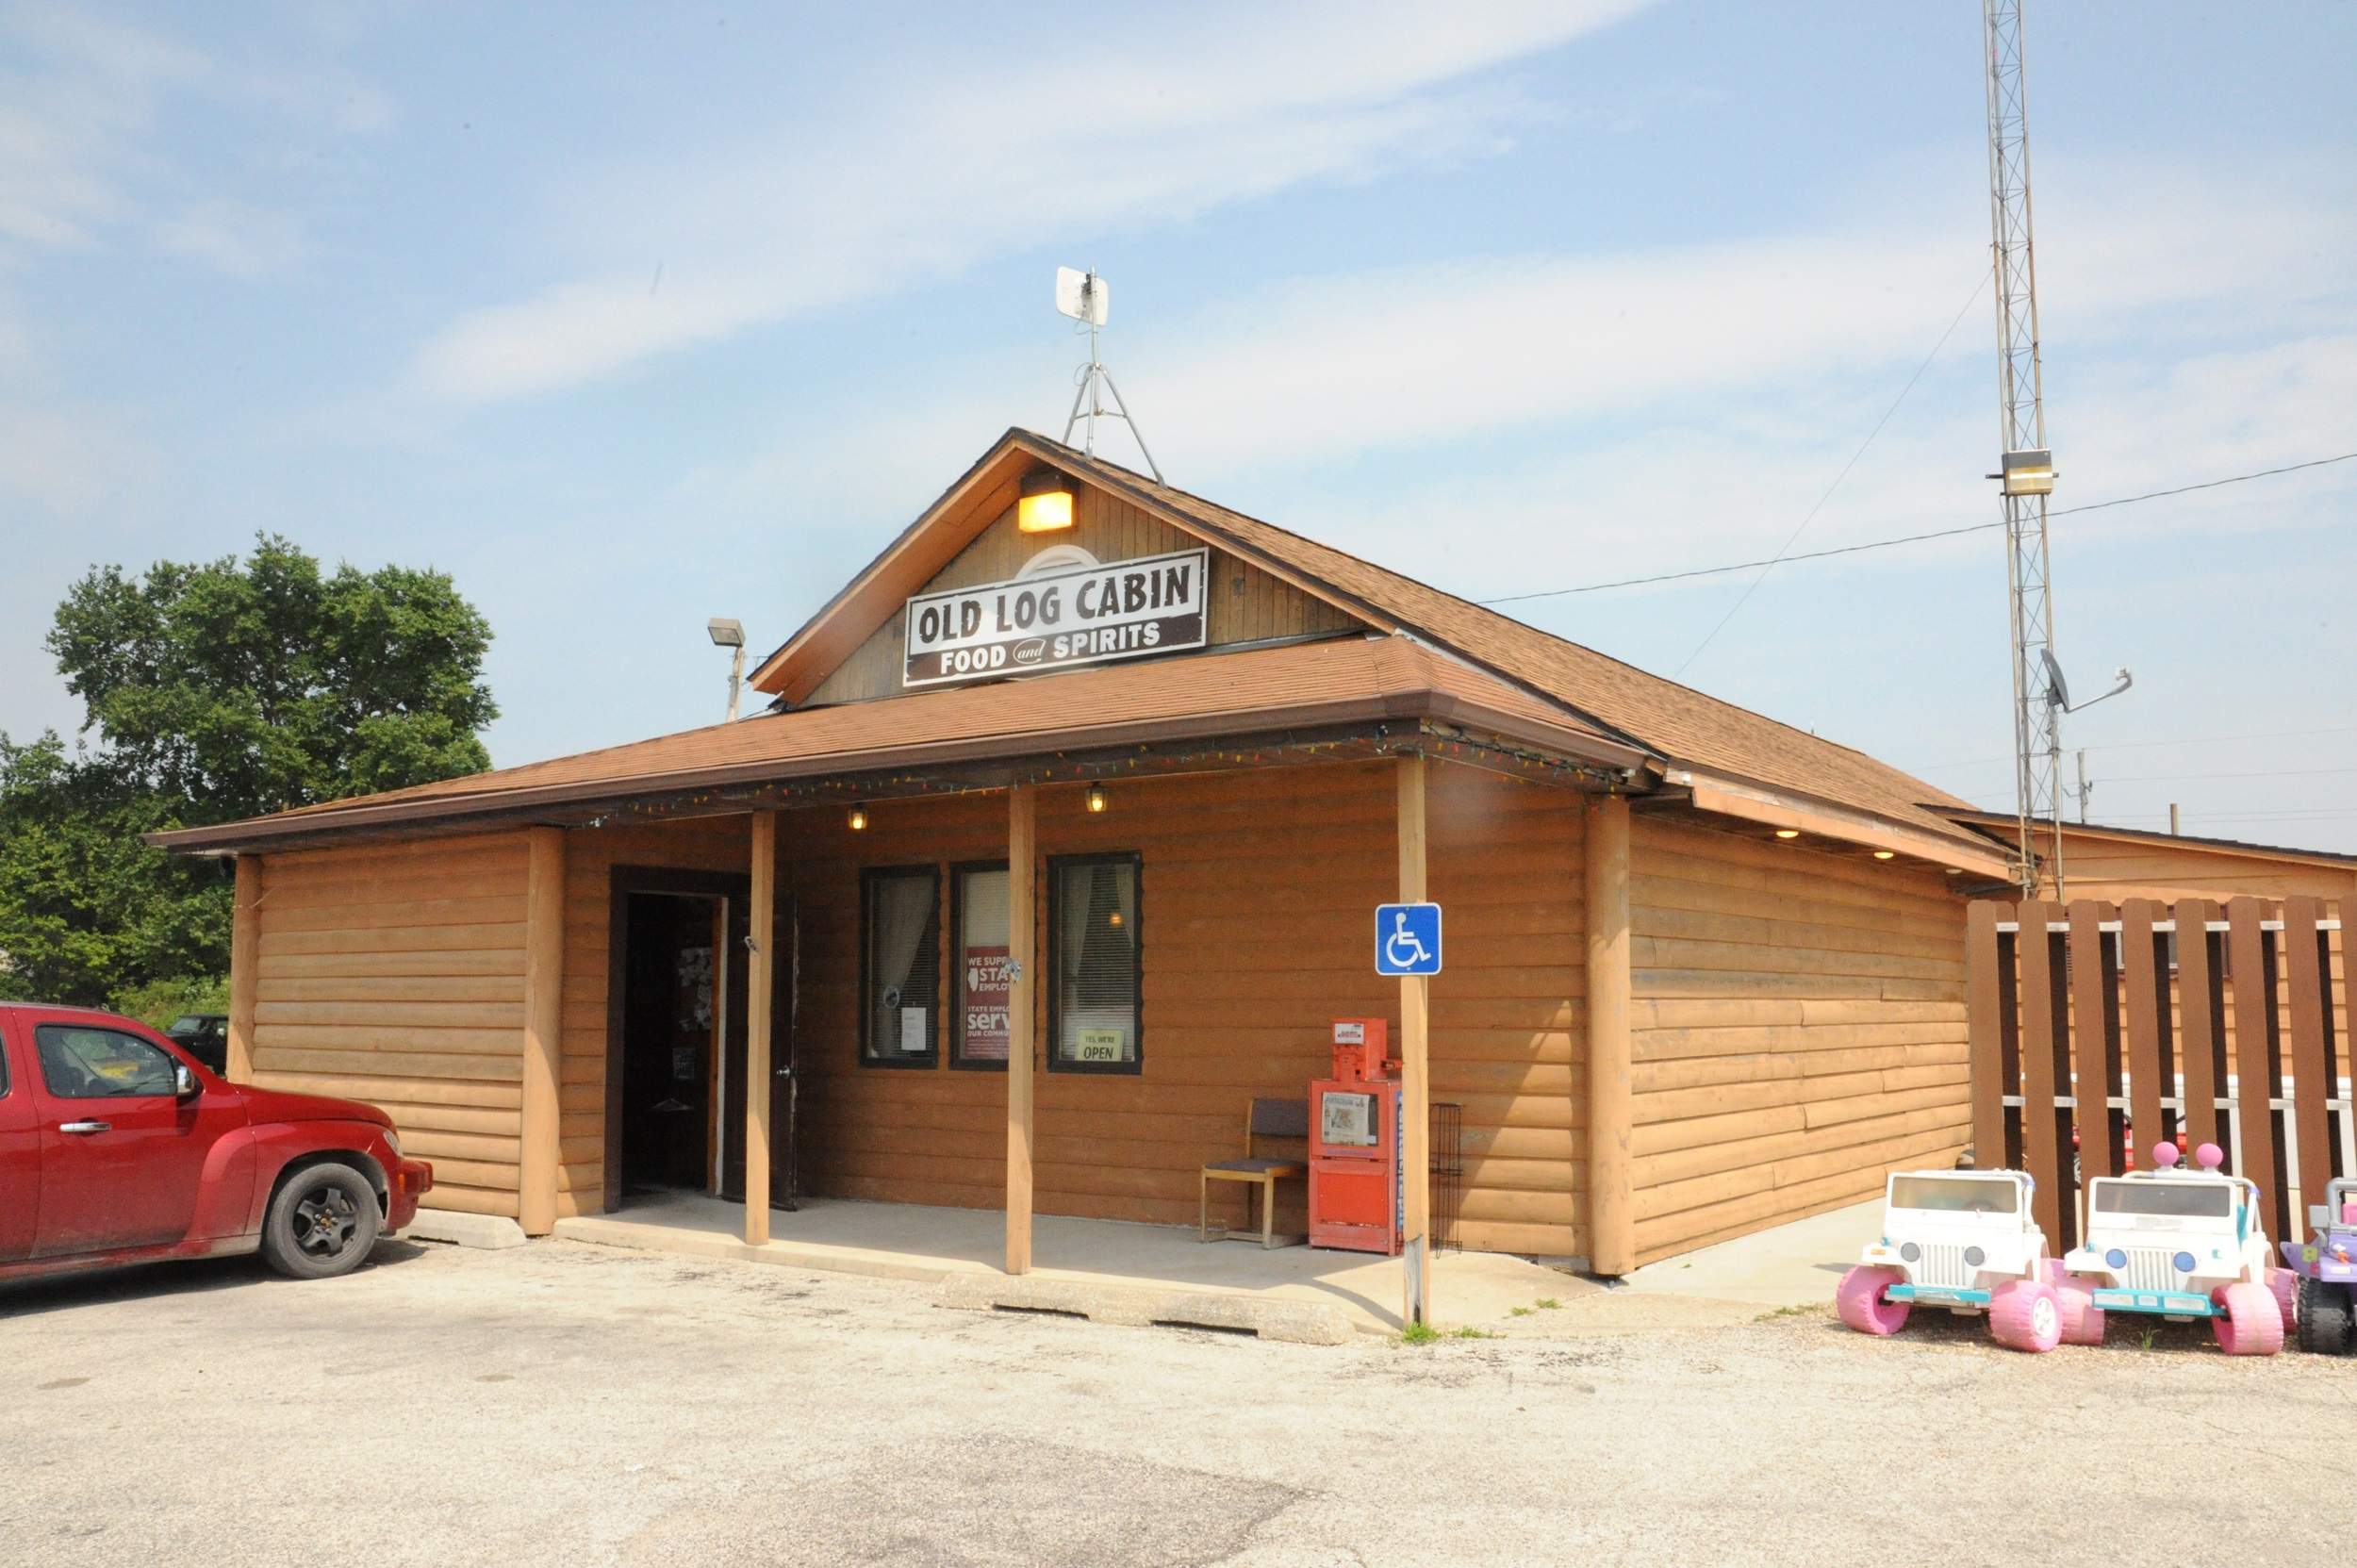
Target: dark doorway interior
{"points": [[676, 1045], [672, 1006]]}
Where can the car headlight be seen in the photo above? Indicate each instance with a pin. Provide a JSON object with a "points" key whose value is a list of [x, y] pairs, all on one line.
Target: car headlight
{"points": [[2116, 1258], [1910, 1252], [1974, 1256], [2183, 1262], [392, 1141]]}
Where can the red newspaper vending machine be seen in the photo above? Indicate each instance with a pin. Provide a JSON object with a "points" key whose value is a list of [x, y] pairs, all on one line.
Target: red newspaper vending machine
{"points": [[1354, 1143]]}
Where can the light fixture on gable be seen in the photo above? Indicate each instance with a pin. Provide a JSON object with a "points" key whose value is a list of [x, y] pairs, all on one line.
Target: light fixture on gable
{"points": [[1045, 506]]}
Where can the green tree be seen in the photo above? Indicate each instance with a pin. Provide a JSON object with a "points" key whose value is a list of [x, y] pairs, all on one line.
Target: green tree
{"points": [[212, 692]]}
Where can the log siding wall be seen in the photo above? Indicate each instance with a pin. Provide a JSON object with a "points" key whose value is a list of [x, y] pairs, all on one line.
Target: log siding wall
{"points": [[1799, 1029], [395, 975], [1255, 890]]}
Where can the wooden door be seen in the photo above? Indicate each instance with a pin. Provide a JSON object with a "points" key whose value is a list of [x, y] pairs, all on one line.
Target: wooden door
{"points": [[782, 1081]]}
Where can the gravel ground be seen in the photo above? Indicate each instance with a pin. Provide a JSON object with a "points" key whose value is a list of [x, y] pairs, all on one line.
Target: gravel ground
{"points": [[575, 1404]]}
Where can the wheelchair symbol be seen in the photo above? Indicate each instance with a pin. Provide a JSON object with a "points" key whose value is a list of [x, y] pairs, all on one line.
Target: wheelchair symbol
{"points": [[1404, 949], [1408, 939]]}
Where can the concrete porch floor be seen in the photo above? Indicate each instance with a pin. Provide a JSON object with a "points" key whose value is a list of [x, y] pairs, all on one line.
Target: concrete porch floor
{"points": [[915, 1241]]}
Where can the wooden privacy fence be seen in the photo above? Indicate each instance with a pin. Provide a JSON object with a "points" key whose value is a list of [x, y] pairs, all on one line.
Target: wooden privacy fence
{"points": [[2180, 1023]]}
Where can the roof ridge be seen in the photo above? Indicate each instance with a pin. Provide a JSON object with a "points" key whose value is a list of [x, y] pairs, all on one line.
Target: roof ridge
{"points": [[1519, 627]]}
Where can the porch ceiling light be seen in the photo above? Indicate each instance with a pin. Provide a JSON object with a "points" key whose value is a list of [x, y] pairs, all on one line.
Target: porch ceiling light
{"points": [[1097, 799], [1787, 833], [1046, 506], [858, 818], [1884, 854]]}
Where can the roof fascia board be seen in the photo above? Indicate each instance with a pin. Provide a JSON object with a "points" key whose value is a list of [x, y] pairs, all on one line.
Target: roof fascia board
{"points": [[1406, 705], [1756, 802], [2169, 841]]}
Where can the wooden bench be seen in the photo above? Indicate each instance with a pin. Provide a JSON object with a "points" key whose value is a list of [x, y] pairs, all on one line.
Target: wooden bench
{"points": [[1268, 1119]]}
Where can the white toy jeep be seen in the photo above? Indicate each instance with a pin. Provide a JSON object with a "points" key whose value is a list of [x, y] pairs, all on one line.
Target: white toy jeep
{"points": [[2182, 1244], [1964, 1240]]}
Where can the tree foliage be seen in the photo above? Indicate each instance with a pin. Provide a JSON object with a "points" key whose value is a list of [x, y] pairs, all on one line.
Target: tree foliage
{"points": [[212, 692]]}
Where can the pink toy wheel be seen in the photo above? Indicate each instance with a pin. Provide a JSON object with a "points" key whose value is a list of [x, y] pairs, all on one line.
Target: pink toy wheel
{"points": [[1859, 1301], [2284, 1285], [2082, 1319], [2026, 1314], [2254, 1324]]}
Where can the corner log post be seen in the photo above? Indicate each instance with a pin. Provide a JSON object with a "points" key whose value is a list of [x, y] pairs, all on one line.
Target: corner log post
{"points": [[1022, 986], [245, 967], [1611, 1211], [544, 1014], [760, 996], [1415, 1066]]}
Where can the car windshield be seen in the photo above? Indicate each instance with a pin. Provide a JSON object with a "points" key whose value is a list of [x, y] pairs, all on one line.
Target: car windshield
{"points": [[2165, 1199], [187, 1023], [1956, 1195]]}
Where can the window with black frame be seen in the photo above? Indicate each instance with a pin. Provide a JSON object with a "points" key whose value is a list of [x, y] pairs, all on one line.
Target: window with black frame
{"points": [[979, 967], [1093, 929], [900, 966]]}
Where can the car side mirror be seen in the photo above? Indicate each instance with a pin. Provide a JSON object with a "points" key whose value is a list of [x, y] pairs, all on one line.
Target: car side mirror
{"points": [[184, 1084]]}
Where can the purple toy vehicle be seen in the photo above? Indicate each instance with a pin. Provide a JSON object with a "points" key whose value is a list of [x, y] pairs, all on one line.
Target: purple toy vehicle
{"points": [[2327, 1266]]}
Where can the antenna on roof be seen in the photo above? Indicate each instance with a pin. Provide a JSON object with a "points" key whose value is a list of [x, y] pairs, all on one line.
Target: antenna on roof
{"points": [[1086, 298]]}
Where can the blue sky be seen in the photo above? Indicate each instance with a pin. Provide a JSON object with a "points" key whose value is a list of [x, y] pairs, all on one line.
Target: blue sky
{"points": [[632, 315]]}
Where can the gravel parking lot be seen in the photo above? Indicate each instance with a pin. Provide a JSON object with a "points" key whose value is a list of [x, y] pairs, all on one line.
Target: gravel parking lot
{"points": [[572, 1404]]}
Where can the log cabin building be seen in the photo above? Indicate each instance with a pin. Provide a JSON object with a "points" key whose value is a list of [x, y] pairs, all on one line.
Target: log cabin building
{"points": [[1058, 842]]}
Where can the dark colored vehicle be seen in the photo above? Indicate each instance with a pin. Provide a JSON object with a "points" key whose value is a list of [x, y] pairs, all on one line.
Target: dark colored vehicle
{"points": [[204, 1036], [2324, 1310], [117, 1148]]}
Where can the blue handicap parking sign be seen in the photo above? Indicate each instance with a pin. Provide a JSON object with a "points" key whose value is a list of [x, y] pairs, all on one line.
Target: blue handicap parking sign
{"points": [[1408, 939]]}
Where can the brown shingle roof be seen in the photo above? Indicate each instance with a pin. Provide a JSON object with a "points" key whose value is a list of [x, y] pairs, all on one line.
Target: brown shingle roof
{"points": [[1677, 723], [1253, 691]]}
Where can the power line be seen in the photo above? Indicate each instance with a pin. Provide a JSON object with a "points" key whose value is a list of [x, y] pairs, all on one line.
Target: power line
{"points": [[1745, 596], [2139, 744], [1908, 538]]}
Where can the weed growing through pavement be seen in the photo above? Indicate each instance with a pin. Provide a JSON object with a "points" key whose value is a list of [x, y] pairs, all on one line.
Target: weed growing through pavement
{"points": [[1548, 1303]]}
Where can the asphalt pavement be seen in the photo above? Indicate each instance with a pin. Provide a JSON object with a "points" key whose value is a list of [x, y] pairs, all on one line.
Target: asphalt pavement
{"points": [[565, 1403]]}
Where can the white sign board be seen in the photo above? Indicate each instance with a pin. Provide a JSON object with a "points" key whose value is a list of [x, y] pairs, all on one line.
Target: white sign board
{"points": [[1083, 615]]}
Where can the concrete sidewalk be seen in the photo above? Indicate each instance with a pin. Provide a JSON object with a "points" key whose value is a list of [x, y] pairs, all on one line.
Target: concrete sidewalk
{"points": [[924, 1244], [1792, 1265]]}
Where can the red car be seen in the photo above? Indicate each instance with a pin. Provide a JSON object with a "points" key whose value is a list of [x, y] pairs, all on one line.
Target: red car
{"points": [[118, 1148]]}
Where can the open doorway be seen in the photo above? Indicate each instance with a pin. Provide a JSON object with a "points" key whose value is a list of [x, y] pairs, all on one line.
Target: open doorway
{"points": [[676, 1039]]}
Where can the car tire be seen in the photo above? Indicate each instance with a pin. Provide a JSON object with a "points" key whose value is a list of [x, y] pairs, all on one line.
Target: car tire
{"points": [[323, 1222], [2082, 1319], [1858, 1300], [2254, 1324], [2285, 1285], [2027, 1315], [2325, 1319]]}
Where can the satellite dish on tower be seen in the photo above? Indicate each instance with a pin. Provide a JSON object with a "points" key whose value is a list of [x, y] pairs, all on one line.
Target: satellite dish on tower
{"points": [[1083, 296]]}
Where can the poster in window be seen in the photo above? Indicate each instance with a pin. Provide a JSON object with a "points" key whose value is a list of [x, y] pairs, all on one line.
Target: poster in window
{"points": [[986, 994], [1100, 1045], [914, 1040]]}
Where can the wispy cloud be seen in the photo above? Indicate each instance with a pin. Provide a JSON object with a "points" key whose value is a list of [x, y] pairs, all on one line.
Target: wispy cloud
{"points": [[83, 101], [930, 170]]}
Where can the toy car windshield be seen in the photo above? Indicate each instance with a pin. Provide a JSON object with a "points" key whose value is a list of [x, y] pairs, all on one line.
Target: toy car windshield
{"points": [[2165, 1199], [1954, 1195]]}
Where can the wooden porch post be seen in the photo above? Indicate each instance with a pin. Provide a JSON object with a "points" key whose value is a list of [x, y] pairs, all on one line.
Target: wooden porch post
{"points": [[245, 967], [760, 989], [1611, 1217], [544, 1004], [1022, 903], [1415, 1098]]}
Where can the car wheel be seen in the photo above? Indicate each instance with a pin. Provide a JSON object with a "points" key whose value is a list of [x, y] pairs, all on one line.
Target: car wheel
{"points": [[321, 1223], [2252, 1325], [2324, 1318]]}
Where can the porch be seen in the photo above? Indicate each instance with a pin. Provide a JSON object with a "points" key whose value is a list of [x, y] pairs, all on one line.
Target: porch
{"points": [[929, 1244]]}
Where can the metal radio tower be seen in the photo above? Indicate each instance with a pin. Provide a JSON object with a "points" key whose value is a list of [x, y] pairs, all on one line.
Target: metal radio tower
{"points": [[2026, 464]]}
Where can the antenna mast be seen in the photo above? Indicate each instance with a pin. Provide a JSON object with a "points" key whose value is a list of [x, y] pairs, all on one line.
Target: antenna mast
{"points": [[2026, 465], [1085, 298]]}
